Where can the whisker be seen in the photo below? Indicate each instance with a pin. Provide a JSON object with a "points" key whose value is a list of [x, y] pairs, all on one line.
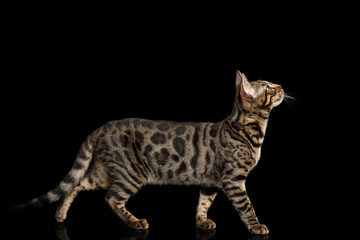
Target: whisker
{"points": [[288, 99], [288, 95]]}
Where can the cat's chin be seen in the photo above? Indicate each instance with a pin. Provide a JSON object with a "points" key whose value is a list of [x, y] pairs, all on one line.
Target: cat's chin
{"points": [[278, 102]]}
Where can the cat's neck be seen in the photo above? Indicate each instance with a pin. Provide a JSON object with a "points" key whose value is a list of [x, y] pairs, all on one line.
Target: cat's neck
{"points": [[243, 119]]}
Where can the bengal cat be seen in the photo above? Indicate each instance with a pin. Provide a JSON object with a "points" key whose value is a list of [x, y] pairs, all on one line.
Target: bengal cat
{"points": [[122, 156]]}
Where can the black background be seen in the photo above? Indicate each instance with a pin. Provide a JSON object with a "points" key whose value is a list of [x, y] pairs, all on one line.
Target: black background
{"points": [[70, 73]]}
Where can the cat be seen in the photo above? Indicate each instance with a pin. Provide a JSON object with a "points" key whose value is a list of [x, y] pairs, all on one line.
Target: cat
{"points": [[122, 156]]}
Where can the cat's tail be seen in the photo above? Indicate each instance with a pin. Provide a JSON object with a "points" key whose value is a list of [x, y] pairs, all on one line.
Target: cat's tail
{"points": [[77, 172]]}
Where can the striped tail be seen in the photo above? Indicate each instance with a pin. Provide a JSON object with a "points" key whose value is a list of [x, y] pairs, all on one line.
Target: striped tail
{"points": [[77, 172]]}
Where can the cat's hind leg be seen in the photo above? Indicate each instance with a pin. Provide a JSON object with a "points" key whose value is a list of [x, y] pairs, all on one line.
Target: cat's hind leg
{"points": [[95, 179], [65, 204], [118, 194], [67, 200], [207, 196]]}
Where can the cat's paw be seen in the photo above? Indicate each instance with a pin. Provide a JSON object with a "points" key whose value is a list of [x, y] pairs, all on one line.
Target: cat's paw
{"points": [[205, 223], [60, 216], [138, 224], [258, 229]]}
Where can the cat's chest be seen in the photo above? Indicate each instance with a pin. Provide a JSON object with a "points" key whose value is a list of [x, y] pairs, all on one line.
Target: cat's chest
{"points": [[256, 154], [242, 154]]}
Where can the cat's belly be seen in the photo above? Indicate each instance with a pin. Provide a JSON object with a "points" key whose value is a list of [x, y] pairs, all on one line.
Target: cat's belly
{"points": [[186, 179]]}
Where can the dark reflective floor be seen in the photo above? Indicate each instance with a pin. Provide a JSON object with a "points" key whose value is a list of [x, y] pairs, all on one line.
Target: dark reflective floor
{"points": [[91, 218], [62, 234], [110, 229], [41, 225]]}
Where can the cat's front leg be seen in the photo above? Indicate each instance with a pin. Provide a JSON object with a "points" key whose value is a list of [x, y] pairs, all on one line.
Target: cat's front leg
{"points": [[207, 196], [234, 188]]}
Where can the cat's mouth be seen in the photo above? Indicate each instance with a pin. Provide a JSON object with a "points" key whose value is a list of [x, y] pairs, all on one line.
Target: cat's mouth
{"points": [[281, 94]]}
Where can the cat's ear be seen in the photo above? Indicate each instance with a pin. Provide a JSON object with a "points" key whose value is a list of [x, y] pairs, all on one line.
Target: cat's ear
{"points": [[247, 93]]}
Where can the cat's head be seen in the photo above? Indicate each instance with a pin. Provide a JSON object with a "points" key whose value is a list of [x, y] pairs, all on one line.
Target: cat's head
{"points": [[257, 95]]}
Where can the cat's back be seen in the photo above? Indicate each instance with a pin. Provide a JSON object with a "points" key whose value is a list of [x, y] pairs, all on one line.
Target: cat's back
{"points": [[155, 132]]}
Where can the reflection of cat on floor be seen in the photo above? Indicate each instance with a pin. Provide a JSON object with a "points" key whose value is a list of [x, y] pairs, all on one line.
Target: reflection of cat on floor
{"points": [[133, 234], [61, 232], [258, 237], [205, 234]]}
